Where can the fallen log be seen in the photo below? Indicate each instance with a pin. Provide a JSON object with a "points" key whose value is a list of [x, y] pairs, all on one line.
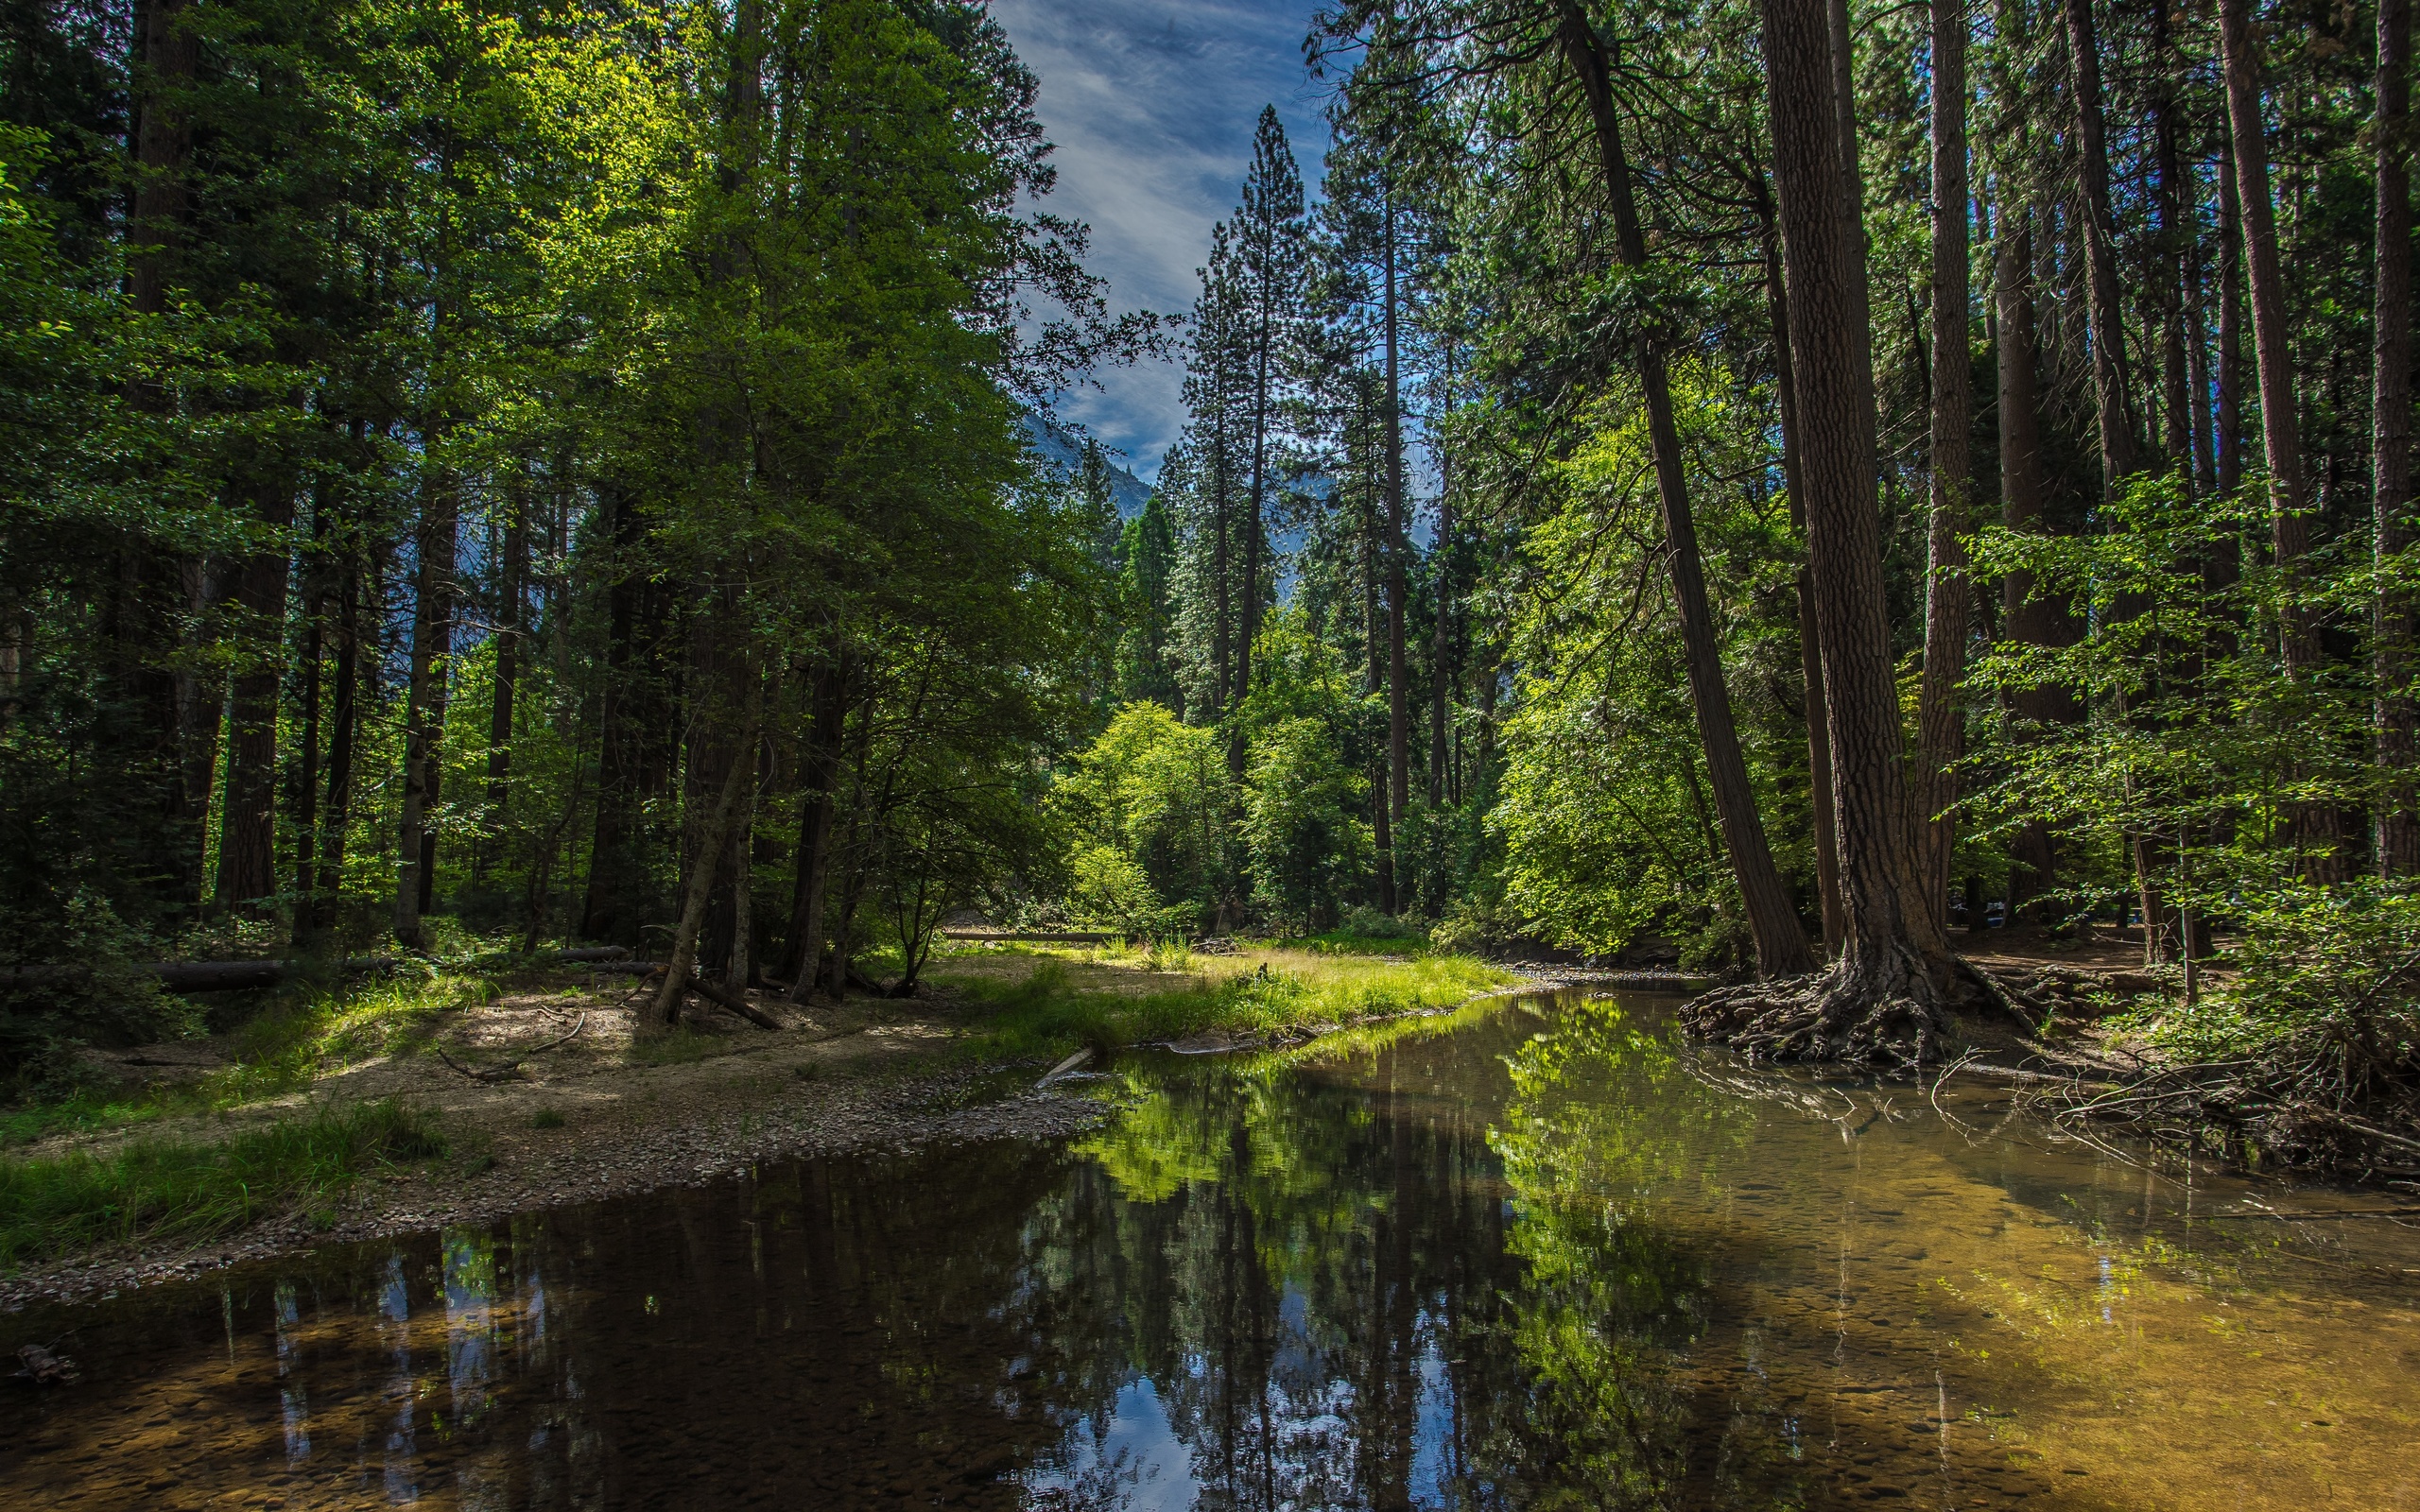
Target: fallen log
{"points": [[735, 1001]]}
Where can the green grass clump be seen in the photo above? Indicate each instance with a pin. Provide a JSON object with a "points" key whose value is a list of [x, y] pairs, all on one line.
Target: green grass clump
{"points": [[546, 1118], [153, 1189], [1051, 1009]]}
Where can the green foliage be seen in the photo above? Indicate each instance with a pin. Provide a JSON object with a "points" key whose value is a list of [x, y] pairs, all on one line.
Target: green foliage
{"points": [[150, 1189]]}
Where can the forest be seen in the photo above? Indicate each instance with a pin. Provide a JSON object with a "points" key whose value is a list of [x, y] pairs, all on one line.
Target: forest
{"points": [[1775, 488]]}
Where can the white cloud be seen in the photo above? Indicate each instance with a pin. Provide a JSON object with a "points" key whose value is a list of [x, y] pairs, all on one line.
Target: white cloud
{"points": [[1152, 106]]}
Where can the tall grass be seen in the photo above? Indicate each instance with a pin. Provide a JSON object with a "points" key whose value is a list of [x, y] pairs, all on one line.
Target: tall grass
{"points": [[300, 1037], [153, 1189], [1266, 992]]}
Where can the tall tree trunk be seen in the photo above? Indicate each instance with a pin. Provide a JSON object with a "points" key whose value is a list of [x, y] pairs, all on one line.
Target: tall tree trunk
{"points": [[1382, 832], [1895, 972], [248, 824], [741, 964], [1439, 650], [705, 867], [1398, 547], [2397, 831], [2024, 492], [1810, 650], [337, 813], [2120, 453], [2227, 441], [513, 592], [607, 908], [1940, 721], [2172, 198], [2314, 824], [1772, 918], [303, 796], [423, 707], [820, 773]]}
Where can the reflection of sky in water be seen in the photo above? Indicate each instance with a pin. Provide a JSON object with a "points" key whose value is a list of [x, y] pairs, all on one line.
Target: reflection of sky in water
{"points": [[1432, 1431], [1134, 1460]]}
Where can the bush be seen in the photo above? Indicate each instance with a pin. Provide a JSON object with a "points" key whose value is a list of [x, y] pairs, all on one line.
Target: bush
{"points": [[1476, 926]]}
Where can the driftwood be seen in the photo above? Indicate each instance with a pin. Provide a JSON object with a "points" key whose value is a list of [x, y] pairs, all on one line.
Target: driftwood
{"points": [[39, 1364], [511, 1068]]}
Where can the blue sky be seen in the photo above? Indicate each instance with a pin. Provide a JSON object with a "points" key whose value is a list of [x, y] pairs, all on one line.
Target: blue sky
{"points": [[1151, 105]]}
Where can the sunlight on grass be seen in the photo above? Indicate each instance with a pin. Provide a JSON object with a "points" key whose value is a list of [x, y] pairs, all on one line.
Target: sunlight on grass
{"points": [[148, 1188], [297, 1039], [1114, 996]]}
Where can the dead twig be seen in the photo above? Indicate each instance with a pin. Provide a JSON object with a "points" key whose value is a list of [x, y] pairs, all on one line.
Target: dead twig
{"points": [[511, 1068]]}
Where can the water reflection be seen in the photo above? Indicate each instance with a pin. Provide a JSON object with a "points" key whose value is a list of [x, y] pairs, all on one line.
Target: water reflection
{"points": [[1539, 1257]]}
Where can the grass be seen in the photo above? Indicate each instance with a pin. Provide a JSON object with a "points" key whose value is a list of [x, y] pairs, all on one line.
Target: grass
{"points": [[153, 1189], [1046, 1002], [294, 1041]]}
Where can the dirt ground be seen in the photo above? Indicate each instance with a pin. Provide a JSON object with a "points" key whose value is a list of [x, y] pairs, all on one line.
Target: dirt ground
{"points": [[869, 1073]]}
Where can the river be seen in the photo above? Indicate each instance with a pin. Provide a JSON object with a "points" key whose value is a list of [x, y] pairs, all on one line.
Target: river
{"points": [[1540, 1254]]}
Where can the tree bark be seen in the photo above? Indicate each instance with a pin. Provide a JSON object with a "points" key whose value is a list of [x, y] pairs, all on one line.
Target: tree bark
{"points": [[704, 867], [1810, 650], [1882, 998], [1940, 721], [1398, 700], [423, 709], [512, 594], [2272, 355], [2396, 838], [2120, 453], [1772, 918]]}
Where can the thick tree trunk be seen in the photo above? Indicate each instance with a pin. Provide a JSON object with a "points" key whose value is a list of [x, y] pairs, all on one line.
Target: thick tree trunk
{"points": [[2024, 491], [337, 813], [2396, 838], [2315, 825], [1772, 918], [1382, 832], [423, 708], [1810, 650], [2272, 355], [302, 797], [1940, 721], [2227, 441], [1895, 973]]}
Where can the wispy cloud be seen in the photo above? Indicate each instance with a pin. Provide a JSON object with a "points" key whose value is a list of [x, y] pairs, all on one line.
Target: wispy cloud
{"points": [[1151, 105]]}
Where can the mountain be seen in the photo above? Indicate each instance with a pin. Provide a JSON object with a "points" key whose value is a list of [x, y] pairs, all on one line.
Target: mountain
{"points": [[1065, 452]]}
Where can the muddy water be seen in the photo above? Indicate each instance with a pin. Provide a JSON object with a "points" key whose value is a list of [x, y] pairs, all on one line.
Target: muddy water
{"points": [[1537, 1256]]}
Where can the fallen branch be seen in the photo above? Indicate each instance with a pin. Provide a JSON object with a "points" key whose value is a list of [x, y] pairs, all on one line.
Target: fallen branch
{"points": [[511, 1068]]}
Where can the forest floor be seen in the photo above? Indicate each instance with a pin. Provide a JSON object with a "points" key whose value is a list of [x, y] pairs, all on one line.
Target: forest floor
{"points": [[100, 1193]]}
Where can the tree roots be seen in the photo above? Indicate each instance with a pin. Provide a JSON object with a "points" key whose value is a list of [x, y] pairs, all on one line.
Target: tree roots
{"points": [[1895, 1012]]}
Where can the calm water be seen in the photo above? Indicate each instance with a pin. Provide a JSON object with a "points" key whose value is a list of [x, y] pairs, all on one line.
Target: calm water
{"points": [[1537, 1256]]}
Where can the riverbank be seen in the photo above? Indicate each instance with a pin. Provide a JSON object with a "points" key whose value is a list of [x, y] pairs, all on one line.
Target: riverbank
{"points": [[610, 1110]]}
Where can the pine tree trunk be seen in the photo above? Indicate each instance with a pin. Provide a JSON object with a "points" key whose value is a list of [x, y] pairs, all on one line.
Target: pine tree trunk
{"points": [[1440, 680], [1940, 721], [1398, 700], [1772, 918], [2120, 454], [2315, 825], [423, 708], [337, 813], [1883, 997], [512, 595], [1382, 834], [1810, 650], [2397, 831], [2227, 439]]}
